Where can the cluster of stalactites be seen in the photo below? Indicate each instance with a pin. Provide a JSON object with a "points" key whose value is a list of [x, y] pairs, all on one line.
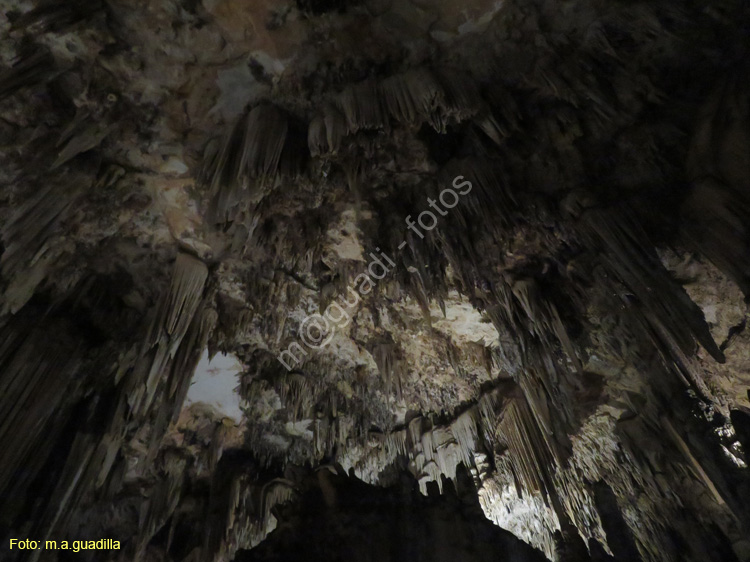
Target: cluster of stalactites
{"points": [[412, 98], [41, 380], [433, 451], [179, 317], [263, 144], [531, 454], [716, 212], [29, 69], [248, 517], [35, 381], [309, 399], [27, 236], [501, 420], [390, 367], [657, 309], [630, 256]]}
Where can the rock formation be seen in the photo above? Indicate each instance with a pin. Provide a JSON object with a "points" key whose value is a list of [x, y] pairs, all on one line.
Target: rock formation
{"points": [[375, 280]]}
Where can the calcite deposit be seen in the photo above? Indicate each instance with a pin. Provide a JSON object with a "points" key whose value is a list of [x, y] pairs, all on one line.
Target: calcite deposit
{"points": [[199, 360]]}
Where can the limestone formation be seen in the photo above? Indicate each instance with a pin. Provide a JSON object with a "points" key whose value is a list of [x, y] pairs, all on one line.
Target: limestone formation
{"points": [[375, 280]]}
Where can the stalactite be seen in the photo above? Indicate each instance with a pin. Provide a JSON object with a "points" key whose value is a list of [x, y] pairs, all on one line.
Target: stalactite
{"points": [[36, 375], [29, 69], [83, 134], [716, 211], [187, 357], [389, 365], [551, 397], [296, 393], [87, 465], [530, 451], [336, 127], [248, 517], [630, 257], [172, 320], [466, 433], [413, 97], [462, 99], [252, 152], [491, 127], [414, 431], [162, 503], [327, 131], [180, 373], [323, 438], [491, 198], [434, 451], [316, 137], [362, 107], [486, 411], [49, 15], [25, 235], [263, 142], [396, 443], [544, 318], [714, 221], [695, 465]]}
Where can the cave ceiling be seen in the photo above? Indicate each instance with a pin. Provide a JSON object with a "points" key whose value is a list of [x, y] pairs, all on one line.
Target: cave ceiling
{"points": [[255, 251]]}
